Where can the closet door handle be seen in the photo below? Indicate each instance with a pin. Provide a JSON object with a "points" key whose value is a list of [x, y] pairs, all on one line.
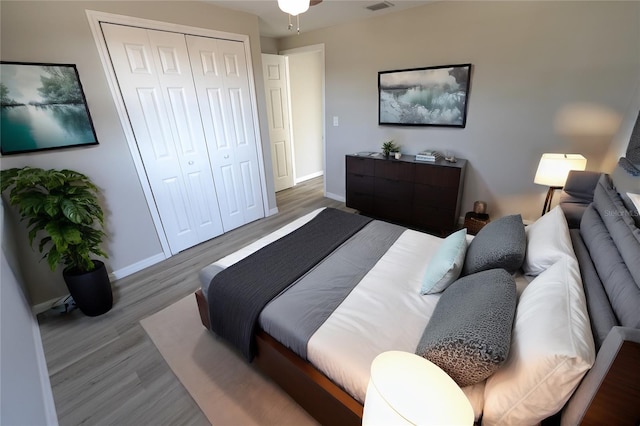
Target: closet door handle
{"points": [[190, 163], [226, 157]]}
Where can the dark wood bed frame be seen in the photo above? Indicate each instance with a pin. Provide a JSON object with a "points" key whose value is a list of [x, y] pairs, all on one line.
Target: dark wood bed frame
{"points": [[316, 393], [614, 402]]}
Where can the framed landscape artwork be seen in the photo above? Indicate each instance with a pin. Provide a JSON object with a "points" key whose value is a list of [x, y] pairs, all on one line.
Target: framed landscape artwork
{"points": [[42, 107], [430, 96]]}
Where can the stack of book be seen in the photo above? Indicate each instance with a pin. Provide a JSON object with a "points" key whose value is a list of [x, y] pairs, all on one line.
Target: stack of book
{"points": [[428, 156]]}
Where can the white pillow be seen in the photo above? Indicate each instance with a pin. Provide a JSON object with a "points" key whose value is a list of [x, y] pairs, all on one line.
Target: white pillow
{"points": [[548, 240], [551, 350]]}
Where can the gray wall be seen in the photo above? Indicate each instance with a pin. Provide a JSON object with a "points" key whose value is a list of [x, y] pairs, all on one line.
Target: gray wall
{"points": [[25, 391], [531, 61], [58, 32]]}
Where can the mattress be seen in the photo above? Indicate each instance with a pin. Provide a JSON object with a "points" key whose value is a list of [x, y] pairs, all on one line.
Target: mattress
{"points": [[385, 311]]}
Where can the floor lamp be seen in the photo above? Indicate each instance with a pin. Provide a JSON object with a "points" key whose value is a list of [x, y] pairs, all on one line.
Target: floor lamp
{"points": [[553, 170]]}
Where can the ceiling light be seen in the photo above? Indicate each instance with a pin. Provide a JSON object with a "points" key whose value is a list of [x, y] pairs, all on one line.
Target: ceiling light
{"points": [[294, 8]]}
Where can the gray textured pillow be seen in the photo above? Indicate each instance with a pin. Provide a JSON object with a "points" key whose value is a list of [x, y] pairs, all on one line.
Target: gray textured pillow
{"points": [[469, 333], [500, 244]]}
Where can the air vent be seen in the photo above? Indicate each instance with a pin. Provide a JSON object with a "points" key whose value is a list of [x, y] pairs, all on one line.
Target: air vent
{"points": [[379, 6]]}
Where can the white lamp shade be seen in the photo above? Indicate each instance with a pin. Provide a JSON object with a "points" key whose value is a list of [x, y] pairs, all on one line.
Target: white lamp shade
{"points": [[554, 168], [293, 7], [406, 389]]}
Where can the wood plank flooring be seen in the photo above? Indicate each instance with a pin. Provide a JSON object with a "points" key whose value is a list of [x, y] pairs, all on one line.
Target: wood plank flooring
{"points": [[106, 370]]}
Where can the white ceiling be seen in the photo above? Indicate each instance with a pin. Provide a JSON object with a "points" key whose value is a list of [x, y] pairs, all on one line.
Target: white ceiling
{"points": [[273, 22]]}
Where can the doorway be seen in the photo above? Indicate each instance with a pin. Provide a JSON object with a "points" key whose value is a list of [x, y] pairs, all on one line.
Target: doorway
{"points": [[306, 118]]}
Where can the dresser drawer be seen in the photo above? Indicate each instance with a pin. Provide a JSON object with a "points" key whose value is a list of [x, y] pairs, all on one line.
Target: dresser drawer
{"points": [[394, 170], [360, 201], [442, 176], [392, 210], [437, 219], [360, 183], [435, 196], [360, 165], [393, 190]]}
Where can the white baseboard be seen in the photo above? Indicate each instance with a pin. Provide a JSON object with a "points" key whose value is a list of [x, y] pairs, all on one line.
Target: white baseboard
{"points": [[272, 211], [138, 266], [307, 177], [45, 384], [115, 275], [335, 197]]}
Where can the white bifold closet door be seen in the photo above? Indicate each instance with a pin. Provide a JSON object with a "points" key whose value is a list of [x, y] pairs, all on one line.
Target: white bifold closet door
{"points": [[221, 80], [199, 190]]}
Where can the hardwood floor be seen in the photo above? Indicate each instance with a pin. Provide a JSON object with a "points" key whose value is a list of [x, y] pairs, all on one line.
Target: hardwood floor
{"points": [[106, 370]]}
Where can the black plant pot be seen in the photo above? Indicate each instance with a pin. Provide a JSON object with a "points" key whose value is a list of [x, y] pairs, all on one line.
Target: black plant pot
{"points": [[90, 290]]}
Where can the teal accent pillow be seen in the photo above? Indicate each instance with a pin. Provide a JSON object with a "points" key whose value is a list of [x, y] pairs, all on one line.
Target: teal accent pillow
{"points": [[446, 264]]}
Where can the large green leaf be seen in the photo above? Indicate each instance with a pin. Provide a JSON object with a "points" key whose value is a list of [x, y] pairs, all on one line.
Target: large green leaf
{"points": [[52, 203], [74, 212]]}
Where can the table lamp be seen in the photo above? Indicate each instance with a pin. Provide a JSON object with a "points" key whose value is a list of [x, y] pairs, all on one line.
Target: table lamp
{"points": [[553, 170], [407, 389]]}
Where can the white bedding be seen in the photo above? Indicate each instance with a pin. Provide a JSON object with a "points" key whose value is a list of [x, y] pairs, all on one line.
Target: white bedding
{"points": [[384, 312]]}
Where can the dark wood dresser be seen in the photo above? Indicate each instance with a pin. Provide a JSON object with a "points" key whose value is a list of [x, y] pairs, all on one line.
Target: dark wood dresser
{"points": [[418, 194]]}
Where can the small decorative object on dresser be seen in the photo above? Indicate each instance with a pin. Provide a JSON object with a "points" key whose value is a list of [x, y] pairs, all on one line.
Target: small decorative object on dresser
{"points": [[388, 147]]}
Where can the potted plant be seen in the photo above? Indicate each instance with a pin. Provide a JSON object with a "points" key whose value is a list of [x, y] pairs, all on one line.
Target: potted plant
{"points": [[64, 215], [388, 147]]}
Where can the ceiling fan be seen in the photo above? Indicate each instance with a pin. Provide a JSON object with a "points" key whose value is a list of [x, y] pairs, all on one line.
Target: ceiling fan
{"points": [[295, 8]]}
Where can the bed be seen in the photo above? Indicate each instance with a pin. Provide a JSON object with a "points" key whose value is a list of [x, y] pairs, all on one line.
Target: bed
{"points": [[568, 303]]}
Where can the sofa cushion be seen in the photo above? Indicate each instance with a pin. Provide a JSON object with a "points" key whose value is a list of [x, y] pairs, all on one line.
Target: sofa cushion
{"points": [[500, 244], [469, 333], [613, 240]]}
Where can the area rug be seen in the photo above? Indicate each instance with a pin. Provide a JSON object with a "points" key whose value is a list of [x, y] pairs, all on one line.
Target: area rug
{"points": [[227, 389]]}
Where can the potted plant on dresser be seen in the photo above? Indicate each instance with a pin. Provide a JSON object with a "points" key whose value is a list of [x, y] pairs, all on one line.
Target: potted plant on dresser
{"points": [[64, 215], [388, 147]]}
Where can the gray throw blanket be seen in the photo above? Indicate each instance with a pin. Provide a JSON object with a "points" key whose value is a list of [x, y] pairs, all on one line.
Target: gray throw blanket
{"points": [[238, 294]]}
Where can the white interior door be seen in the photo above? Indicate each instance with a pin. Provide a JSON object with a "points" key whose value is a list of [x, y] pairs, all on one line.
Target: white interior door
{"points": [[274, 69], [154, 75], [222, 86]]}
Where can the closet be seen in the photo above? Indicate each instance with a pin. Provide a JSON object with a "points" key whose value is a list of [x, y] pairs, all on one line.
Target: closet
{"points": [[188, 101]]}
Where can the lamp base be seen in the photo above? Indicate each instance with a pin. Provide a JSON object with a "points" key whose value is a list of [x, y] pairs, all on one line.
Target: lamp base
{"points": [[547, 200]]}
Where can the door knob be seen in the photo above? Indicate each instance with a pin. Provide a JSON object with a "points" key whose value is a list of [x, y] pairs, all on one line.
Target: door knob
{"points": [[191, 163], [226, 156]]}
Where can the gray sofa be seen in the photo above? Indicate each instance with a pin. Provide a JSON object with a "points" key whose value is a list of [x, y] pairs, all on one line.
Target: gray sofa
{"points": [[577, 194], [607, 245]]}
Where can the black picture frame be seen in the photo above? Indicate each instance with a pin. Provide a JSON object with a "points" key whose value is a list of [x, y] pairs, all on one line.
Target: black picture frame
{"points": [[42, 107], [428, 96]]}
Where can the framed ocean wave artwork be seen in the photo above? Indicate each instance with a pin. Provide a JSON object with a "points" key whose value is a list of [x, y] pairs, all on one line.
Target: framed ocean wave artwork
{"points": [[429, 96], [42, 107]]}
